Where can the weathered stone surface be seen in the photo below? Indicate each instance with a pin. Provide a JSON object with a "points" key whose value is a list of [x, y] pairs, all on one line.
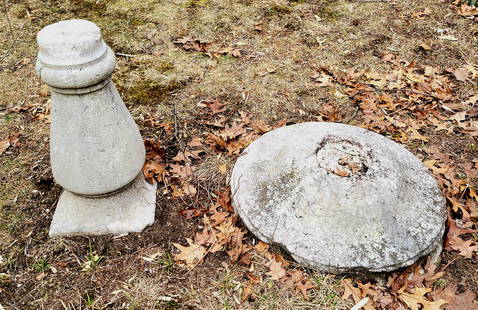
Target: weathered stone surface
{"points": [[131, 210], [96, 149], [339, 198], [73, 55], [95, 145]]}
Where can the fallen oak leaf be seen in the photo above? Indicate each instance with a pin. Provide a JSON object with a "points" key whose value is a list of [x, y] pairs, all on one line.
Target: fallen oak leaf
{"points": [[466, 248], [277, 271], [422, 14], [461, 75], [425, 46], [248, 289], [305, 285], [412, 300], [224, 199], [454, 232], [260, 126], [465, 301], [196, 142], [183, 172], [154, 171], [246, 292], [4, 145], [12, 140], [204, 238], [188, 155], [236, 245], [467, 10], [191, 213], [351, 290], [216, 142], [234, 131], [189, 44], [261, 247], [218, 217], [192, 254], [214, 105], [292, 278]]}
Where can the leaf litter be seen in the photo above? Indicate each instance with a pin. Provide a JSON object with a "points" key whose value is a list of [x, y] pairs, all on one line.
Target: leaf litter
{"points": [[409, 103]]}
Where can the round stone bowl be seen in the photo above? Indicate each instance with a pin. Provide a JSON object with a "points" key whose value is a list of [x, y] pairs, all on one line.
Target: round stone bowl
{"points": [[338, 198]]}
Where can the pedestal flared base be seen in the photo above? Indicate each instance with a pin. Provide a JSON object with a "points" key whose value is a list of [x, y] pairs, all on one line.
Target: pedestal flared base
{"points": [[131, 210]]}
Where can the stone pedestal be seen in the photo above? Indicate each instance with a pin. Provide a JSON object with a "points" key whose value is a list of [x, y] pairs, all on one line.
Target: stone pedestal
{"points": [[96, 149], [339, 198]]}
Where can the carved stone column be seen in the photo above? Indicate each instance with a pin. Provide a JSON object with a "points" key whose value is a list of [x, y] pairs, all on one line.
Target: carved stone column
{"points": [[96, 149]]}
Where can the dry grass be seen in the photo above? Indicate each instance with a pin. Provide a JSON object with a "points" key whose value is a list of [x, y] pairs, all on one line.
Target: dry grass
{"points": [[279, 40]]}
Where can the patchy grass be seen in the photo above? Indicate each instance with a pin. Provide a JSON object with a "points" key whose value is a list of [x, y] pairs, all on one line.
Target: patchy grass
{"points": [[280, 42]]}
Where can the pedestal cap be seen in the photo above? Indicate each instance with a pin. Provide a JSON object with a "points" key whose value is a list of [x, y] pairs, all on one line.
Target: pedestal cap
{"points": [[73, 55], [339, 198]]}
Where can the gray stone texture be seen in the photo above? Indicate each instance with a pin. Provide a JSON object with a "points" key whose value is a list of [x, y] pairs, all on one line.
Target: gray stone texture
{"points": [[95, 145], [339, 198], [130, 210], [96, 149]]}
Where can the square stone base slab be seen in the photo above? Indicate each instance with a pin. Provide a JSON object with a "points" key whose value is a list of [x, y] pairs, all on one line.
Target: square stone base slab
{"points": [[128, 211]]}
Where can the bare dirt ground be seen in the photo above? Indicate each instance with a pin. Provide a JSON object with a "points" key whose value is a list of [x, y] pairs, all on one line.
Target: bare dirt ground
{"points": [[221, 73]]}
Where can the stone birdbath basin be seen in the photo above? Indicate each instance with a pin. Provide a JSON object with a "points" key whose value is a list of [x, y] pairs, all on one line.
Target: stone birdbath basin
{"points": [[339, 198]]}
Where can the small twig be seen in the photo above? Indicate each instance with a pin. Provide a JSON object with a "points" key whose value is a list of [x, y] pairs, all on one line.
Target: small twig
{"points": [[449, 263], [8, 19], [126, 55], [176, 125], [394, 91], [14, 38], [353, 116], [404, 108]]}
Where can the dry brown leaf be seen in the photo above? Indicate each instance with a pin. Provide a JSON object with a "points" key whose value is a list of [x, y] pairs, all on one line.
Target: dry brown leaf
{"points": [[461, 75], [425, 46], [421, 14], [215, 105], [154, 171], [305, 285], [260, 126], [4, 145], [183, 172], [465, 248], [465, 301], [195, 143], [185, 189], [204, 238], [351, 290], [192, 254], [413, 300], [467, 10], [246, 292], [189, 44], [277, 271], [187, 155], [262, 247], [216, 141], [191, 213]]}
